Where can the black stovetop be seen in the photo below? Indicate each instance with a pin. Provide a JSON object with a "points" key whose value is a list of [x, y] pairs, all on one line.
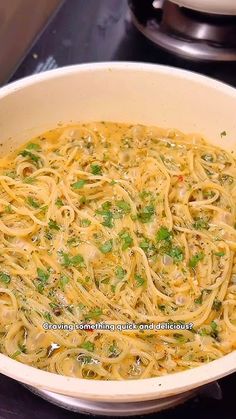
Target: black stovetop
{"points": [[89, 31]]}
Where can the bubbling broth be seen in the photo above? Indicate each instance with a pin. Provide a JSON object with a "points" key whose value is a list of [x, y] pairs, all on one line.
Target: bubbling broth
{"points": [[117, 252]]}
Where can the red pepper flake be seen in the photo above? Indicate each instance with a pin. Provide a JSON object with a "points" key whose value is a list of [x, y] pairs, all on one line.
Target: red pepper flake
{"points": [[88, 328], [180, 178]]}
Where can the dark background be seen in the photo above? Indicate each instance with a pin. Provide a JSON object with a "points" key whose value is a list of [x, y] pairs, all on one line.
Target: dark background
{"points": [[92, 31]]}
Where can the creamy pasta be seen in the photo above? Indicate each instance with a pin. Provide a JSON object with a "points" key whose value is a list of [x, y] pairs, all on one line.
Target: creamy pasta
{"points": [[114, 224]]}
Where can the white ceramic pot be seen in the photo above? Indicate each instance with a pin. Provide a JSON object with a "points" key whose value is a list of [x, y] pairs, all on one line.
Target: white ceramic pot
{"points": [[126, 92], [223, 7]]}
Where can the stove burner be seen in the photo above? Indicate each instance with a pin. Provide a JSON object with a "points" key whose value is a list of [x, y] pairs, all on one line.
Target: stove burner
{"points": [[190, 34], [73, 404]]}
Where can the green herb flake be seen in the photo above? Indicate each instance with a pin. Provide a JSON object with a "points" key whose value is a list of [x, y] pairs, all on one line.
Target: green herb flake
{"points": [[85, 222], [79, 185], [63, 281], [48, 235], [179, 337], [96, 169], [84, 360], [74, 261], [127, 240], [201, 224], [219, 254], [16, 354], [176, 253], [8, 209], [163, 234], [31, 156], [199, 299], [106, 214], [146, 214], [195, 259], [29, 180], [33, 146], [140, 281], [124, 207], [73, 241], [5, 278], [120, 272], [217, 304], [83, 200], [144, 195], [33, 202], [47, 316], [106, 247], [88, 346], [223, 134], [59, 203], [12, 174], [42, 275], [113, 350], [53, 225], [93, 314]]}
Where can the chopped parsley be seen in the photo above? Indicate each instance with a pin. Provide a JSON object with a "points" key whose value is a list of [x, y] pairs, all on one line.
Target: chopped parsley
{"points": [[93, 314], [84, 360], [201, 224], [113, 350], [31, 156], [5, 278], [106, 247], [176, 253], [96, 169], [8, 209], [220, 254], [48, 235], [217, 304], [106, 214], [74, 261], [195, 259], [79, 184], [85, 222], [53, 225], [33, 202], [124, 207], [147, 246], [120, 272], [89, 346], [144, 195], [47, 316], [146, 214], [163, 234], [199, 299], [223, 134], [59, 203], [43, 276], [29, 180], [140, 281], [73, 241], [33, 146], [179, 337], [63, 281], [126, 239]]}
